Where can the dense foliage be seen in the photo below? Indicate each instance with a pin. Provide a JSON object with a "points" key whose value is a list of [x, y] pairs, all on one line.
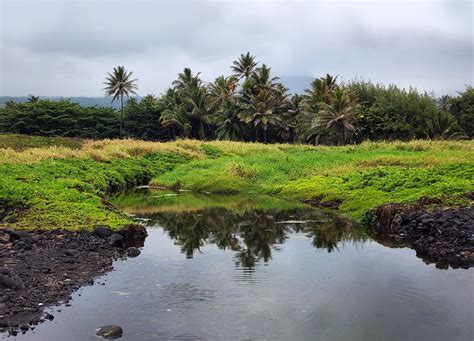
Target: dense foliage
{"points": [[59, 118], [252, 105]]}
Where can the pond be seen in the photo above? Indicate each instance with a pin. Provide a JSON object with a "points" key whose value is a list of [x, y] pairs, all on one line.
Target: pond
{"points": [[258, 268]]}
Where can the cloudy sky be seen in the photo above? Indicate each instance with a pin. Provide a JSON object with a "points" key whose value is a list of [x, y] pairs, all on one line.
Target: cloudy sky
{"points": [[65, 47]]}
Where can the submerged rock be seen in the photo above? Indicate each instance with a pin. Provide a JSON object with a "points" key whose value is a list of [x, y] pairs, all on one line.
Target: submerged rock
{"points": [[109, 332], [133, 252]]}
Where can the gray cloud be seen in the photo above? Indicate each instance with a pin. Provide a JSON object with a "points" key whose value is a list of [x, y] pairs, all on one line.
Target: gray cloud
{"points": [[66, 47]]}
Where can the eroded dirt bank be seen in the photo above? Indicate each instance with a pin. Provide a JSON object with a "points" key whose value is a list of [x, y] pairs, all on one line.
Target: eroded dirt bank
{"points": [[441, 236], [42, 268]]}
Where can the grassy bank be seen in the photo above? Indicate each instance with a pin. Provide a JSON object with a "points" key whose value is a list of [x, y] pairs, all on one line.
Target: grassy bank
{"points": [[49, 183], [358, 177], [61, 183]]}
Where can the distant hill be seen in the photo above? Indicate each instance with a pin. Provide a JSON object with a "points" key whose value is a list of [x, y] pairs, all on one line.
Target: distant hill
{"points": [[84, 101]]}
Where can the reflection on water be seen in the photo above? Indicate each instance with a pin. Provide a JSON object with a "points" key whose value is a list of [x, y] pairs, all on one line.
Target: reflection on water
{"points": [[257, 268], [250, 226]]}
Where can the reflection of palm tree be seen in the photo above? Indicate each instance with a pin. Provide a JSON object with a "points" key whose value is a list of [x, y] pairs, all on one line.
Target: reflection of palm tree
{"points": [[252, 234]]}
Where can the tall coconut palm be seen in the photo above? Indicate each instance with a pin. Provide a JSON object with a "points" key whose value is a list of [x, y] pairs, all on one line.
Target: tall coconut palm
{"points": [[337, 116], [262, 80], [228, 124], [187, 81], [320, 92], [260, 111], [119, 83], [223, 88], [202, 109], [287, 129], [174, 115], [244, 66]]}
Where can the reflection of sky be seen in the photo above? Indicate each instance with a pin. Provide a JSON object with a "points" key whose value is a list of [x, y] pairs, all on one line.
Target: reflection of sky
{"points": [[357, 293]]}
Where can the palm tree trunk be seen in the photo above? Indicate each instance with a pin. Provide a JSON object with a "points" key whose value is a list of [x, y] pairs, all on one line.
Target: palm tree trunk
{"points": [[121, 116], [202, 134], [265, 136]]}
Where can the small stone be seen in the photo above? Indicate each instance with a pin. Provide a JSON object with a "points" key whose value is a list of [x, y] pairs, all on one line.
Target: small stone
{"points": [[109, 332], [71, 253]]}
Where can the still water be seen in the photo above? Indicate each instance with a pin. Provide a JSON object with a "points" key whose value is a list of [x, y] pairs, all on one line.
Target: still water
{"points": [[255, 268]]}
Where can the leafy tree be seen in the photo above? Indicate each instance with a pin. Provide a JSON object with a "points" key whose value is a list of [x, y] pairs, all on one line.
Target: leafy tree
{"points": [[118, 84], [59, 118], [462, 107], [142, 119]]}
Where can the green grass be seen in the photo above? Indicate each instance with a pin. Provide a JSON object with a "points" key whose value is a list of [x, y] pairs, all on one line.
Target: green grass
{"points": [[361, 177], [62, 183]]}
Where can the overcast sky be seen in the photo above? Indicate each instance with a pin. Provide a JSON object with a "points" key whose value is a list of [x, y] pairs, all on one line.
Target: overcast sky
{"points": [[66, 47]]}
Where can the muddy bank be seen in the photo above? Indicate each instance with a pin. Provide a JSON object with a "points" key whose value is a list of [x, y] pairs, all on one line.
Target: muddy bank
{"points": [[441, 236], [43, 268]]}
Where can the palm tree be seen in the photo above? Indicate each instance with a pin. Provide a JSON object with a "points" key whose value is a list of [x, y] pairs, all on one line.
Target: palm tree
{"points": [[229, 126], [262, 80], [442, 125], [119, 83], [244, 66], [260, 111], [174, 115], [202, 108], [287, 129], [321, 89], [337, 116], [223, 88], [187, 81]]}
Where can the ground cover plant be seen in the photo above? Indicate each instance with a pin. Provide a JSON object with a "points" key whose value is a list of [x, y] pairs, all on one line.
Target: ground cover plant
{"points": [[50, 183]]}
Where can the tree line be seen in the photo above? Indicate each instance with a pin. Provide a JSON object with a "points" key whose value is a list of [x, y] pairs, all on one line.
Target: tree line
{"points": [[251, 105]]}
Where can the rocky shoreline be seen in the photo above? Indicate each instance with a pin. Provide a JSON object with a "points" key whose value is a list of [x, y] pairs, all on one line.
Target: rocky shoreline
{"points": [[43, 268], [441, 236]]}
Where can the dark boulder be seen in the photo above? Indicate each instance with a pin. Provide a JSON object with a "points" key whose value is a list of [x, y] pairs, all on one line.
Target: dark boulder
{"points": [[116, 240], [102, 231], [16, 235]]}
